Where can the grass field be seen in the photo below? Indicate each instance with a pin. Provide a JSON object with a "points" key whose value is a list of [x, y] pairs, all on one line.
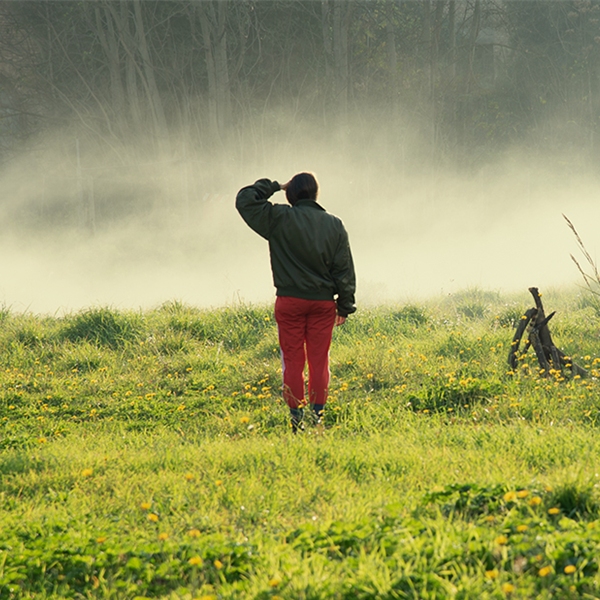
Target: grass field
{"points": [[148, 455]]}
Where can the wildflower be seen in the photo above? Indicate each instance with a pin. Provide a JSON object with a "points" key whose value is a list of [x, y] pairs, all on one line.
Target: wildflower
{"points": [[508, 588], [522, 494], [522, 528], [195, 561], [501, 540], [219, 482], [87, 472], [42, 440], [569, 569], [492, 574], [194, 533], [535, 501], [218, 564], [245, 420], [275, 581], [163, 536], [553, 511], [189, 476], [101, 539], [153, 517], [545, 571], [145, 505], [510, 496]]}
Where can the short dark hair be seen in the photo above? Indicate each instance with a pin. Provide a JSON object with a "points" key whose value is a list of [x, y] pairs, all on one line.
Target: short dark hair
{"points": [[303, 186]]}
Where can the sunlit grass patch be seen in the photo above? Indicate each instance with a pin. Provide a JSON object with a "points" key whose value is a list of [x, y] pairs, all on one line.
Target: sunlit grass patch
{"points": [[151, 455], [102, 326]]}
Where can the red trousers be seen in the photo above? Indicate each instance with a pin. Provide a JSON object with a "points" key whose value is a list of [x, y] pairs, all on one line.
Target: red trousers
{"points": [[305, 328]]}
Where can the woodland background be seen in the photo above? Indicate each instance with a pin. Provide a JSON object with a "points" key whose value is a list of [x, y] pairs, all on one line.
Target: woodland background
{"points": [[95, 89]]}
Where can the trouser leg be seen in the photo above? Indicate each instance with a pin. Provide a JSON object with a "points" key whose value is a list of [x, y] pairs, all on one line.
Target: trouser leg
{"points": [[291, 327], [320, 323]]}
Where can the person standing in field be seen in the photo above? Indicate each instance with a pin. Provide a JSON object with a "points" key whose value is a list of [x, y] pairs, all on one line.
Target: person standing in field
{"points": [[314, 277]]}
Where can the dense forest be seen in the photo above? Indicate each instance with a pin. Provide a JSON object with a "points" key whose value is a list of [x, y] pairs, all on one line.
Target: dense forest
{"points": [[463, 79]]}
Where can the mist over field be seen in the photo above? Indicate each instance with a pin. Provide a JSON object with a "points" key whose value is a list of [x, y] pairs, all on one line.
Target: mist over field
{"points": [[413, 234]]}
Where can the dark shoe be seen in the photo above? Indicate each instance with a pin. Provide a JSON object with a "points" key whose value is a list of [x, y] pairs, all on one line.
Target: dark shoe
{"points": [[297, 425], [297, 420], [316, 414]]}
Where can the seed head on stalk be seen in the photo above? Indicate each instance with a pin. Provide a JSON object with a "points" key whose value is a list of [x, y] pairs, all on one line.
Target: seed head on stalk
{"points": [[591, 281]]}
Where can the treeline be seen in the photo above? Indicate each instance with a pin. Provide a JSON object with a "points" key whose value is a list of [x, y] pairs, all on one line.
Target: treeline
{"points": [[471, 76]]}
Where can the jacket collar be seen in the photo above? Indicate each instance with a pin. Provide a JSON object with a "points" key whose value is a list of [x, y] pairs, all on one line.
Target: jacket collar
{"points": [[309, 203]]}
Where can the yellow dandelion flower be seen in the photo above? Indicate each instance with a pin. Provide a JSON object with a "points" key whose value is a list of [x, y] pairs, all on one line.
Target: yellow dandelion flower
{"points": [[535, 501], [195, 561], [189, 477], [101, 539], [545, 571], [570, 569], [194, 533], [490, 518], [42, 440], [245, 420], [87, 472], [510, 497], [275, 581], [501, 540], [207, 597], [163, 536], [145, 505], [508, 588], [491, 574], [522, 494], [553, 511], [153, 517], [218, 564], [522, 528], [219, 482]]}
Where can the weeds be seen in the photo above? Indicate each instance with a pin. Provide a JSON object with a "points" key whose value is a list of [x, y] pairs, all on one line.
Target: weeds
{"points": [[592, 281], [148, 455]]}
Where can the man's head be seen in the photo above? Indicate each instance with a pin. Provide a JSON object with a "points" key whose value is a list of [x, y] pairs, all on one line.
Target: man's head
{"points": [[303, 186]]}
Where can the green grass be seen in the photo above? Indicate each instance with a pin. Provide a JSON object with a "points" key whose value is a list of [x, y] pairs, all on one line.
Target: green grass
{"points": [[148, 455]]}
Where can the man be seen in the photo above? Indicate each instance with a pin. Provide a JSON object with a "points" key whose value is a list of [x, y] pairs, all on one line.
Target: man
{"points": [[314, 277]]}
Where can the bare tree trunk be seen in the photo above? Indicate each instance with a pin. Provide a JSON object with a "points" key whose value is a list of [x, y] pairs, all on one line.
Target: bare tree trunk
{"points": [[452, 37], [108, 40], [336, 23], [120, 15], [392, 57], [213, 20], [154, 98], [341, 13]]}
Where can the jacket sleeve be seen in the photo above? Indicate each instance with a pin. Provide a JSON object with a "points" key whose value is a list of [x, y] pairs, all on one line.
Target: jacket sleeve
{"points": [[252, 202], [344, 277]]}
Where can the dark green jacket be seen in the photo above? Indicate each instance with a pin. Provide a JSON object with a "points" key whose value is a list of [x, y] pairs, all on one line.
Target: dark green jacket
{"points": [[310, 253]]}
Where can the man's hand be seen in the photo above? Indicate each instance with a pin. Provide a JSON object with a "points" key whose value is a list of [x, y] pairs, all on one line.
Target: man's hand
{"points": [[339, 320], [284, 186]]}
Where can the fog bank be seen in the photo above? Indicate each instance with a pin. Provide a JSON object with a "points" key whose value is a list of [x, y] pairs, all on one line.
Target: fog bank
{"points": [[415, 233]]}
